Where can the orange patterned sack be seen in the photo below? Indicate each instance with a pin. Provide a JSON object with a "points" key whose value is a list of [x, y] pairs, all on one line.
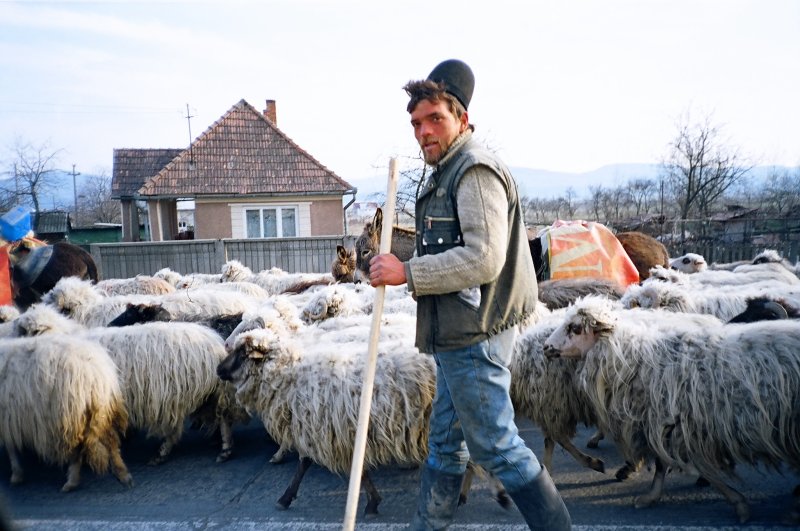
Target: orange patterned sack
{"points": [[587, 249]]}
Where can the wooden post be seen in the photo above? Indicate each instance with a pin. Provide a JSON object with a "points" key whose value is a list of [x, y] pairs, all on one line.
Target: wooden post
{"points": [[360, 446]]}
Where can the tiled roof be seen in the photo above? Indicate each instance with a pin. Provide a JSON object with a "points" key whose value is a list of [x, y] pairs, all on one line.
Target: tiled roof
{"points": [[51, 222], [242, 153], [133, 167]]}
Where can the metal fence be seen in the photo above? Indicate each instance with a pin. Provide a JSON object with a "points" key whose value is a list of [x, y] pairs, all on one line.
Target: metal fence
{"points": [[294, 255]]}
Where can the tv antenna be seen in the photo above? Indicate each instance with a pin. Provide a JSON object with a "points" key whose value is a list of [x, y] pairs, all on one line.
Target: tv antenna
{"points": [[189, 122]]}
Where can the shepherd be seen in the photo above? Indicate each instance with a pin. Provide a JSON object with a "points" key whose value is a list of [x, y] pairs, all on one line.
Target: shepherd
{"points": [[474, 282]]}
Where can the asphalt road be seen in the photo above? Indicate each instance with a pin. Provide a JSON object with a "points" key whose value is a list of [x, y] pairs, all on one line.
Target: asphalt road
{"points": [[192, 492]]}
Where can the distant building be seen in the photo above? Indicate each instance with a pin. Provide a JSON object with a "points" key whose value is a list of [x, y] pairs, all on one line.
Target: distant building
{"points": [[246, 178]]}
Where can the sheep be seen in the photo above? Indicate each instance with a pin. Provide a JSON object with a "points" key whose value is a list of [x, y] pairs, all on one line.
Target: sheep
{"points": [[172, 277], [722, 303], [167, 373], [246, 288], [765, 307], [689, 263], [307, 397], [78, 299], [194, 280], [275, 281], [562, 292], [8, 313], [140, 284], [547, 393], [61, 397], [695, 395], [710, 277]]}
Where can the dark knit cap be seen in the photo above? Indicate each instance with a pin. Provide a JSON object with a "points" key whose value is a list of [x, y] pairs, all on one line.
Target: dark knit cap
{"points": [[457, 78]]}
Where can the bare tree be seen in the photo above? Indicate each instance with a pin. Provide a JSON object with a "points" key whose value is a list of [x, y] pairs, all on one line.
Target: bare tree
{"points": [[34, 173], [700, 167], [96, 205]]}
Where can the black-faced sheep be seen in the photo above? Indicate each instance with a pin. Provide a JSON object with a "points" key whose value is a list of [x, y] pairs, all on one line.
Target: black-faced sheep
{"points": [[61, 397], [695, 395]]}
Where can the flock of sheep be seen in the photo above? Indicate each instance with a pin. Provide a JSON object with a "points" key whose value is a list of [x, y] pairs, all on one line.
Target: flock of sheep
{"points": [[672, 370]]}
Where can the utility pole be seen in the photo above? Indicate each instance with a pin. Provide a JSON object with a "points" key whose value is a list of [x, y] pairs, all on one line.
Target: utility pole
{"points": [[75, 191]]}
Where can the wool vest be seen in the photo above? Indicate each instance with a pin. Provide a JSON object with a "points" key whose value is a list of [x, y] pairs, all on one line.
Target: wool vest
{"points": [[455, 320]]}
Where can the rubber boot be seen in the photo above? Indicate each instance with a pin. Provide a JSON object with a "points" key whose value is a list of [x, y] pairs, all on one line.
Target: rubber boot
{"points": [[438, 499], [541, 504]]}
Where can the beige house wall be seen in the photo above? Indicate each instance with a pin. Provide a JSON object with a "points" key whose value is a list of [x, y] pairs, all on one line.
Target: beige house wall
{"points": [[212, 220], [327, 217], [223, 218]]}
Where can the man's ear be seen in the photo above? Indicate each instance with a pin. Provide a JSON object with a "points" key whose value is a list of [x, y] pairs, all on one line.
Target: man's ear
{"points": [[464, 122]]}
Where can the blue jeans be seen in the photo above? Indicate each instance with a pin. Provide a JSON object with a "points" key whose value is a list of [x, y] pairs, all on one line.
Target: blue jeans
{"points": [[473, 416]]}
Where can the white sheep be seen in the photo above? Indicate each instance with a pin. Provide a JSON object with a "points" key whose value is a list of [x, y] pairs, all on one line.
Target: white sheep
{"points": [[79, 300], [140, 284], [547, 392], [8, 313], [172, 277], [167, 372], [712, 277], [275, 280], [722, 302], [697, 395], [61, 397], [307, 392]]}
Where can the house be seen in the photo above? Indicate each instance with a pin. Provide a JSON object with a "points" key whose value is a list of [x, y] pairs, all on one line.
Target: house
{"points": [[247, 179]]}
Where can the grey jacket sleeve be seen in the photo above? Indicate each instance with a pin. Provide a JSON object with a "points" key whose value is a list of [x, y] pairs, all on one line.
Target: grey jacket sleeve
{"points": [[483, 213]]}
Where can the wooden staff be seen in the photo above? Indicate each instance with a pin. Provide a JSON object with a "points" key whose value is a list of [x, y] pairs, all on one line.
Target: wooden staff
{"points": [[360, 446]]}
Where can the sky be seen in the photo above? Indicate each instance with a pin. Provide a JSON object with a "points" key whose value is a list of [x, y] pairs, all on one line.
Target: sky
{"points": [[569, 85]]}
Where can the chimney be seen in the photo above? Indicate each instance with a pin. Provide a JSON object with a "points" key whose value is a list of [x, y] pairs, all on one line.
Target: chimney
{"points": [[270, 113]]}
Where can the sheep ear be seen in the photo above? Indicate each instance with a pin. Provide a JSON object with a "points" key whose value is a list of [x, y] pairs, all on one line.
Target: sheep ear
{"points": [[778, 309], [259, 322]]}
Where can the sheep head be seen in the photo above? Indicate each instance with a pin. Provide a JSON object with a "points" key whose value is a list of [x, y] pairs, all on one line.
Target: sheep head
{"points": [[43, 319], [71, 293], [235, 271], [256, 347], [141, 313], [586, 322], [689, 263]]}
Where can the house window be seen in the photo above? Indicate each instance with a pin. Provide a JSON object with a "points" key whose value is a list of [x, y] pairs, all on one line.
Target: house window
{"points": [[271, 222]]}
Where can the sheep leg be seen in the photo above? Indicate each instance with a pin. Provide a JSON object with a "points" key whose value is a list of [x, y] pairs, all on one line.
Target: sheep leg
{"points": [[73, 473], [226, 433], [165, 449], [291, 491], [466, 484], [585, 460], [594, 442], [17, 473], [733, 496], [627, 470], [547, 459], [373, 497], [280, 455], [656, 488], [119, 469]]}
